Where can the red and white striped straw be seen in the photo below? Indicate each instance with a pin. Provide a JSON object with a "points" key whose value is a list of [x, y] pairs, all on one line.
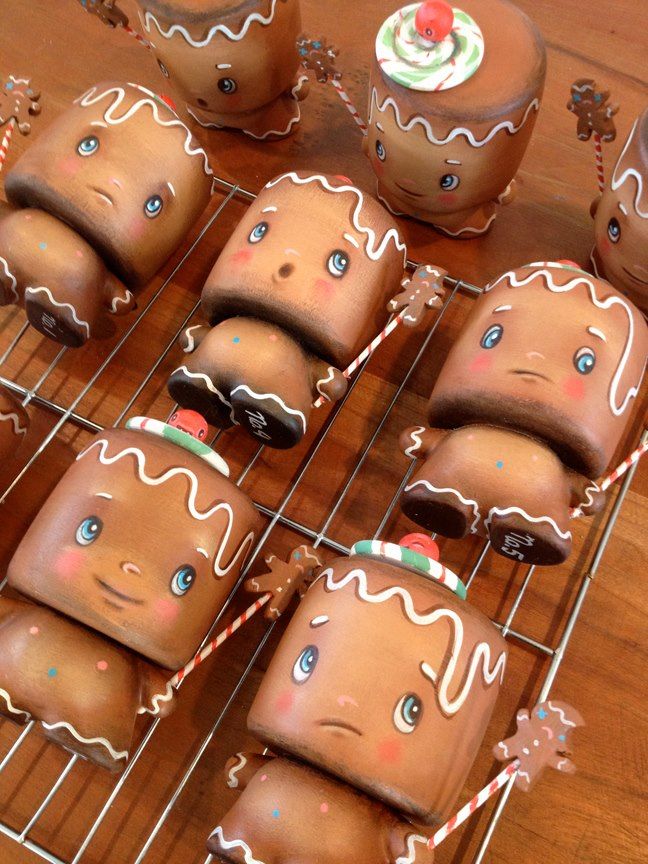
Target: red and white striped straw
{"points": [[181, 674], [474, 804], [353, 111], [137, 36], [598, 155], [368, 351], [619, 471], [4, 146]]}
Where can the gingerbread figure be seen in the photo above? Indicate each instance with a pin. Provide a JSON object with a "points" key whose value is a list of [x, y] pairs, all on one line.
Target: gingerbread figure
{"points": [[527, 412], [359, 762], [107, 193], [288, 309], [591, 107], [129, 560], [19, 102], [454, 95], [620, 254], [14, 422], [236, 63]]}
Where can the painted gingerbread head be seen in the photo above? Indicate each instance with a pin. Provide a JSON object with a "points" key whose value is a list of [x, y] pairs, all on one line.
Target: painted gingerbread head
{"points": [[451, 113], [327, 285], [122, 170], [228, 58], [142, 540], [550, 351], [621, 220], [385, 679]]}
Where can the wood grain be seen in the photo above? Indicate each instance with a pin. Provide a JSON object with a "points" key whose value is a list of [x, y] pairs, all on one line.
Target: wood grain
{"points": [[593, 817]]}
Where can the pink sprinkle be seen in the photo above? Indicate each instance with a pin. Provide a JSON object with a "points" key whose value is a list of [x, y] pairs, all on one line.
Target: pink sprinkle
{"points": [[79, 253], [273, 337], [324, 808], [534, 457], [28, 216], [102, 665], [34, 631], [470, 437], [264, 777]]}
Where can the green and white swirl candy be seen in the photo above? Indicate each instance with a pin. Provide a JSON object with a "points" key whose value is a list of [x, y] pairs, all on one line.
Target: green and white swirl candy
{"points": [[409, 60]]}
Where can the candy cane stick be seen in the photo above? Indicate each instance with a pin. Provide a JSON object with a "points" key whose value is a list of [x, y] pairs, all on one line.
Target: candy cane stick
{"points": [[4, 146], [137, 36], [474, 804], [619, 471], [344, 96], [222, 637], [368, 351], [598, 155]]}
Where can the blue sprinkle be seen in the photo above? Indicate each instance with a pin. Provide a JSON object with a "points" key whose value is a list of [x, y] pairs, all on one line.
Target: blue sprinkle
{"points": [[303, 52], [275, 814], [597, 98], [562, 737], [51, 673], [297, 556], [236, 340], [42, 245], [499, 464], [317, 45], [542, 714], [577, 97], [9, 85]]}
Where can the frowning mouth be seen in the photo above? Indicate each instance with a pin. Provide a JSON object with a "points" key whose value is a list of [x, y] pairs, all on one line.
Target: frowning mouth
{"points": [[332, 723], [636, 278], [530, 373], [115, 593], [408, 192], [103, 195]]}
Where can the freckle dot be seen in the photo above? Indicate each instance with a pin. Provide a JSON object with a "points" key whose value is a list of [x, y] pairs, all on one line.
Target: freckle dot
{"points": [[34, 631], [102, 665], [28, 216], [264, 777], [51, 672], [324, 808], [42, 245], [236, 340], [275, 814]]}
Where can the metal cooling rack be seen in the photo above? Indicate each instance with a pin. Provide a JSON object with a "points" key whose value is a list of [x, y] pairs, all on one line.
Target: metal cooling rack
{"points": [[68, 414]]}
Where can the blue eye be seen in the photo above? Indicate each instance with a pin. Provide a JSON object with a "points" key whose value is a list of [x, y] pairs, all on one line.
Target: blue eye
{"points": [[305, 664], [183, 579], [408, 712], [380, 151], [89, 530], [153, 206], [227, 85], [614, 230], [449, 182], [584, 360], [338, 263], [88, 146], [258, 232], [492, 336]]}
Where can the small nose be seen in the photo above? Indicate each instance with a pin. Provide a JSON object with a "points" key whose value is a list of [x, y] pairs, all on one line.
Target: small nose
{"points": [[346, 700], [285, 270], [532, 354], [129, 567]]}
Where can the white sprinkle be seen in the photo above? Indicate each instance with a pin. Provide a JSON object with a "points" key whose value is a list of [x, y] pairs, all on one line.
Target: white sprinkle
{"points": [[351, 240], [503, 309], [104, 495], [269, 210], [202, 551], [452, 162], [171, 189], [596, 332], [319, 620]]}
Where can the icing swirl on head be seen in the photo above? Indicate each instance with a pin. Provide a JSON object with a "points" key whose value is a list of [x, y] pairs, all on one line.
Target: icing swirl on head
{"points": [[218, 29], [623, 173], [375, 247]]}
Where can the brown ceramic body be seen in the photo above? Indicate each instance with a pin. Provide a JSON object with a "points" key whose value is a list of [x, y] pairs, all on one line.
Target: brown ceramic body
{"points": [[621, 219], [235, 63], [371, 620], [530, 426], [112, 187], [121, 583], [485, 124], [14, 422], [311, 319]]}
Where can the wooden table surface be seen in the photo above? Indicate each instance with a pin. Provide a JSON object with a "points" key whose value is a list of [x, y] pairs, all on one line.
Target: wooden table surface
{"points": [[595, 816]]}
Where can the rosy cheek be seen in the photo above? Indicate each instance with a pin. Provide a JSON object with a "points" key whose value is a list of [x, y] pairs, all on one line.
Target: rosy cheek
{"points": [[390, 749], [574, 387], [378, 166], [166, 611], [70, 165], [285, 701], [447, 197], [138, 227], [605, 244], [69, 564], [481, 363], [243, 256], [323, 286]]}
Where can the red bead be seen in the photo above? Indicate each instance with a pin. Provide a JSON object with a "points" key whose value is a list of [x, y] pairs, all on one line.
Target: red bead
{"points": [[421, 543], [190, 422], [434, 20]]}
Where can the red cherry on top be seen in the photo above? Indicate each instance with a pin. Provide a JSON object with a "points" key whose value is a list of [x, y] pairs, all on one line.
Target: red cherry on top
{"points": [[190, 422], [434, 20], [421, 543]]}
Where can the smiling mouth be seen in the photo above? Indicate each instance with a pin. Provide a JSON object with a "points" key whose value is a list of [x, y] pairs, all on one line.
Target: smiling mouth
{"points": [[115, 593], [636, 278], [530, 374], [103, 195], [407, 191], [339, 724]]}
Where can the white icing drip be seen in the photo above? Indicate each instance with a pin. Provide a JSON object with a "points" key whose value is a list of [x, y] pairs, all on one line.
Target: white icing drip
{"points": [[91, 98], [534, 105], [293, 120], [327, 380], [416, 444], [223, 29], [232, 779], [117, 300], [617, 181], [589, 500], [54, 302], [467, 230], [15, 422], [561, 713], [505, 511], [191, 342], [516, 282], [373, 252], [233, 844], [210, 385], [155, 701], [468, 501], [9, 275], [140, 458], [7, 698], [480, 657], [274, 398], [410, 856], [116, 754]]}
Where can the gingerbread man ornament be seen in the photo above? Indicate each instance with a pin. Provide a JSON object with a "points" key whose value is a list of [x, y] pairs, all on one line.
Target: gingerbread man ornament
{"points": [[19, 102], [593, 110]]}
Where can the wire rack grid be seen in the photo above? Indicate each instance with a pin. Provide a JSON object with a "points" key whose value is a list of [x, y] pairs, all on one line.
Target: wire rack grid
{"points": [[66, 414]]}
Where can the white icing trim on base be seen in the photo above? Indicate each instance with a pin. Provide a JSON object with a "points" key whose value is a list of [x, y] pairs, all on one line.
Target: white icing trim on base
{"points": [[467, 230], [505, 511], [76, 319], [191, 342], [116, 300], [15, 420], [327, 380], [115, 754], [4, 695], [415, 437], [232, 779], [210, 386], [616, 181], [235, 844], [468, 501], [272, 397], [9, 275], [223, 29], [292, 122], [155, 701], [410, 856]]}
